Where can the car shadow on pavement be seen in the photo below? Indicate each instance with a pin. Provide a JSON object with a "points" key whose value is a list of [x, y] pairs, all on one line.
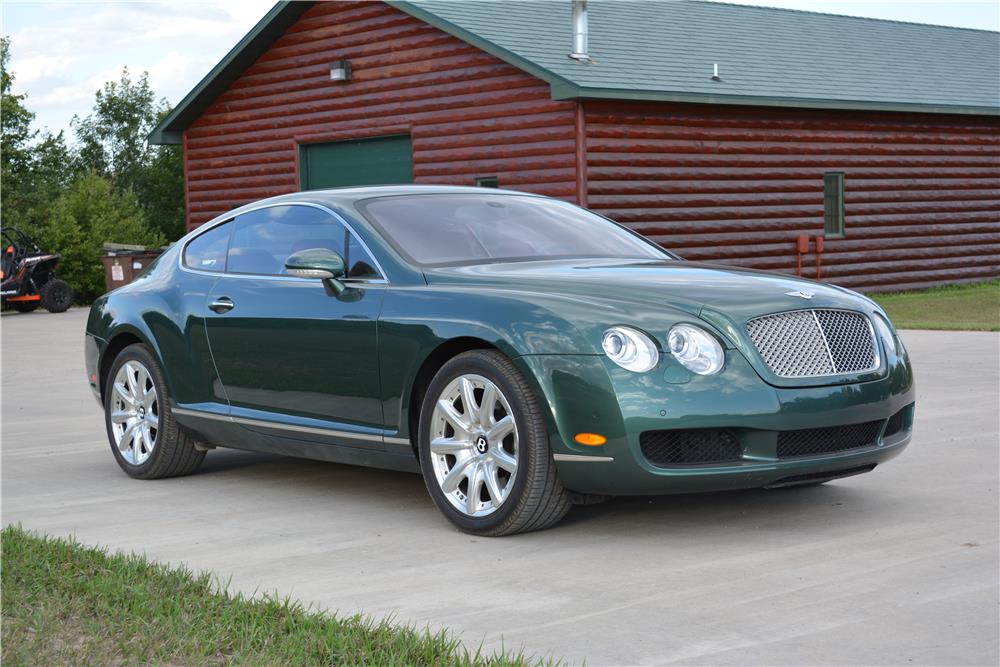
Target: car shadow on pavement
{"points": [[780, 510]]}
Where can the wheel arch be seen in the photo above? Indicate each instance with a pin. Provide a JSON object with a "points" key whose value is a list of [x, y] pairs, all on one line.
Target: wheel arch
{"points": [[431, 364], [443, 353], [118, 341]]}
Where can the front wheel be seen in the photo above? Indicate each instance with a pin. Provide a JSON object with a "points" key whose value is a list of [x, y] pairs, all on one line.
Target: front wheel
{"points": [[484, 449], [145, 439], [57, 295]]}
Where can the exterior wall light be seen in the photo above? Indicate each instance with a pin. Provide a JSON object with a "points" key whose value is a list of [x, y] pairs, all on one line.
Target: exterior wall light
{"points": [[340, 70]]}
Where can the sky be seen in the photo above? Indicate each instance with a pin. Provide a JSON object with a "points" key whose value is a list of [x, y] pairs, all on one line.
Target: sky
{"points": [[63, 52]]}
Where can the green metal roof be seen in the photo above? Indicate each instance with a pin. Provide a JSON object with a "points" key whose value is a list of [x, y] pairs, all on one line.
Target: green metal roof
{"points": [[661, 50]]}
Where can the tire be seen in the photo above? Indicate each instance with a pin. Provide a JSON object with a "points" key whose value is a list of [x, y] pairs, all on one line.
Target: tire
{"points": [[57, 295], [163, 450], [485, 449], [24, 306]]}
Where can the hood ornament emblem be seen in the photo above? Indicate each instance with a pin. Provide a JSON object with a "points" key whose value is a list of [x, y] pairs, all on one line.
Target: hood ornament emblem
{"points": [[803, 295]]}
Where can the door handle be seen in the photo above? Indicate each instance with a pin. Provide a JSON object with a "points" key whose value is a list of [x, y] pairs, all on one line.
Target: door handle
{"points": [[222, 305]]}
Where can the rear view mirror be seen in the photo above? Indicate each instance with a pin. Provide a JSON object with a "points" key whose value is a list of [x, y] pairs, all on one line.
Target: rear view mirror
{"points": [[316, 263], [321, 263]]}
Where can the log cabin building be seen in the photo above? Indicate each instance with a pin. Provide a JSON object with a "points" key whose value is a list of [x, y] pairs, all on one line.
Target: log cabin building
{"points": [[727, 133]]}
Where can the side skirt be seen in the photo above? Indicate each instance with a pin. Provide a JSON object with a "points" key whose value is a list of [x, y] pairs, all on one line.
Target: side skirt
{"points": [[220, 430]]}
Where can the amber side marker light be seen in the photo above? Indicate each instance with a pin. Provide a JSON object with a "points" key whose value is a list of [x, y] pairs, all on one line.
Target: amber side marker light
{"points": [[590, 439]]}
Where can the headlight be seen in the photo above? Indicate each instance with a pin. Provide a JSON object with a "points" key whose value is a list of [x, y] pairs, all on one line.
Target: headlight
{"points": [[885, 333], [696, 349], [630, 349]]}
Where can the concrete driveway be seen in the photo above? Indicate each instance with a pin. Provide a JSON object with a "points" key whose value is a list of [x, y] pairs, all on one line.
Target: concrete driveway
{"points": [[896, 567]]}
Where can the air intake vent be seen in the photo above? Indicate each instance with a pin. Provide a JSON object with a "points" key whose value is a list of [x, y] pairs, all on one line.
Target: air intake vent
{"points": [[690, 446], [812, 441]]}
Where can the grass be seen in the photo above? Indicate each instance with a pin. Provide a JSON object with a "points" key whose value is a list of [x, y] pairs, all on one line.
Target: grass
{"points": [[64, 603], [961, 307]]}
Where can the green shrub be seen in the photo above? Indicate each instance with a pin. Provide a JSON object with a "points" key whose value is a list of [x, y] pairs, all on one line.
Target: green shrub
{"points": [[85, 217]]}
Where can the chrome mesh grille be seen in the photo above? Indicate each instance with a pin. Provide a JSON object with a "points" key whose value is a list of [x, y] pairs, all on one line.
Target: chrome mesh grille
{"points": [[813, 343], [849, 337]]}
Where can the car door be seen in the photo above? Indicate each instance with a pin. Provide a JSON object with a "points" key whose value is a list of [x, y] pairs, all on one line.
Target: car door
{"points": [[294, 359]]}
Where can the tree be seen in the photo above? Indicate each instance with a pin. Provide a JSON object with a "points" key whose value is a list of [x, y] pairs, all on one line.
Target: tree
{"points": [[112, 142], [160, 189], [15, 139], [90, 213], [36, 167]]}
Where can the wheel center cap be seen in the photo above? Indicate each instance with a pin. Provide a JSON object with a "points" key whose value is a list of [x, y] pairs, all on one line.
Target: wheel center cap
{"points": [[482, 445], [142, 412]]}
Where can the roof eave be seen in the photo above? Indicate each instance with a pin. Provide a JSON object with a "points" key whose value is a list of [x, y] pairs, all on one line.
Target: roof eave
{"points": [[572, 91]]}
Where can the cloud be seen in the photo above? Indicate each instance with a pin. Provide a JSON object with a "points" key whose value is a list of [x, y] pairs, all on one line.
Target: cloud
{"points": [[62, 96], [62, 52], [33, 68]]}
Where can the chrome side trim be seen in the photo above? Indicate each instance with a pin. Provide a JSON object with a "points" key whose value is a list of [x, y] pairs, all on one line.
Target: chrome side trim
{"points": [[278, 426], [227, 217], [333, 433], [583, 457], [396, 441], [200, 413]]}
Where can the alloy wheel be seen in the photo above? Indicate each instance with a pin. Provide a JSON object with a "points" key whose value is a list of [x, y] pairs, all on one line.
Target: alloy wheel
{"points": [[135, 413], [474, 445]]}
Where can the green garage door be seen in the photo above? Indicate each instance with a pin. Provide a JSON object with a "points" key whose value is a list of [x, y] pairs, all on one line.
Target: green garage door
{"points": [[381, 161]]}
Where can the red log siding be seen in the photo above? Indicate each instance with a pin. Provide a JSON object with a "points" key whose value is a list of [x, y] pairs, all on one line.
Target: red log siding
{"points": [[736, 185], [469, 114]]}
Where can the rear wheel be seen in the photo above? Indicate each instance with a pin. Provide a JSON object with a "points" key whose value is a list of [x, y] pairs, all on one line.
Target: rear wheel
{"points": [[24, 306], [57, 295], [144, 437], [484, 449]]}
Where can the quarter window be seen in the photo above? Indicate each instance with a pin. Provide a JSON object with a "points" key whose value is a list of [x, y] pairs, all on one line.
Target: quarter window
{"points": [[207, 252], [359, 262]]}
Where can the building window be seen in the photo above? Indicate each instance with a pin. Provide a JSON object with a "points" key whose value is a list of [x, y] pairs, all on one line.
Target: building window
{"points": [[487, 182], [833, 203]]}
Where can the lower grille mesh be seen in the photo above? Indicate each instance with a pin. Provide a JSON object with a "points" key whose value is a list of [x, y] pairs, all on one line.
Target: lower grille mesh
{"points": [[690, 446], [811, 441]]}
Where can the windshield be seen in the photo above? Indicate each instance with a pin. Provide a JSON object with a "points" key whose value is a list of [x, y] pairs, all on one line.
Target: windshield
{"points": [[437, 229]]}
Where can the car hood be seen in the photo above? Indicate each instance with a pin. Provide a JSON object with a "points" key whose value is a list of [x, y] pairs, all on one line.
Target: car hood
{"points": [[654, 295], [702, 290]]}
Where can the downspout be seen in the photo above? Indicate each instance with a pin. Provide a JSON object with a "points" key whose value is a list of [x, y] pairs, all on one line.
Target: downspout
{"points": [[581, 155]]}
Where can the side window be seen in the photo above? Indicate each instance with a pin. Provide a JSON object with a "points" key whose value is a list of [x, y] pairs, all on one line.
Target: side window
{"points": [[208, 251], [263, 239]]}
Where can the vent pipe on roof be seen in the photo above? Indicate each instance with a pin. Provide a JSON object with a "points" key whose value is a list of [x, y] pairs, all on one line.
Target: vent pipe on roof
{"points": [[580, 31]]}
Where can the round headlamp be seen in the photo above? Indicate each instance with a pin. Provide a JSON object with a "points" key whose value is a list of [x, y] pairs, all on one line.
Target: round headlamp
{"points": [[631, 349], [696, 349]]}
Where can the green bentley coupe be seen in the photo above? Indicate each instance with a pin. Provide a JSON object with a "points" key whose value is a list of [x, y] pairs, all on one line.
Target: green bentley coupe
{"points": [[519, 352]]}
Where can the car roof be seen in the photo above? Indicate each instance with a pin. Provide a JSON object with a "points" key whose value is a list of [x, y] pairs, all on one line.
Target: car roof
{"points": [[351, 194]]}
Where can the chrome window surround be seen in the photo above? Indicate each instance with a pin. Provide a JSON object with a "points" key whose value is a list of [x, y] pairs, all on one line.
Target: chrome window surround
{"points": [[265, 276], [818, 356]]}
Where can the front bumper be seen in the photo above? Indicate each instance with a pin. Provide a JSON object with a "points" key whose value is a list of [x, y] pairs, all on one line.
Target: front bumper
{"points": [[589, 394], [92, 350]]}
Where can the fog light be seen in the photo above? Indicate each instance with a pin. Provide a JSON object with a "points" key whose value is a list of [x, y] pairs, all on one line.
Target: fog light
{"points": [[590, 439]]}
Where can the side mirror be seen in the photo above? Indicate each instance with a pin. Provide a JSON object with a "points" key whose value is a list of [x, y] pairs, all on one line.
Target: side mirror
{"points": [[320, 263]]}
